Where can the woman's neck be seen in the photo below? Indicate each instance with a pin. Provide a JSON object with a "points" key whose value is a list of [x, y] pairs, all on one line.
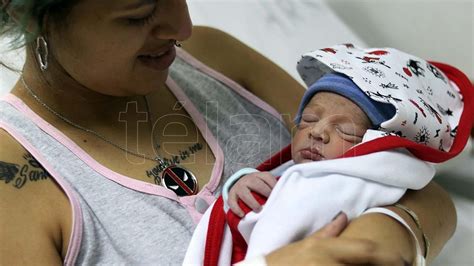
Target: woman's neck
{"points": [[56, 89]]}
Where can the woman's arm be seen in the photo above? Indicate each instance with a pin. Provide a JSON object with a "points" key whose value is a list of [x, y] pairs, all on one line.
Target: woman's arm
{"points": [[325, 248], [269, 82], [33, 213], [437, 217]]}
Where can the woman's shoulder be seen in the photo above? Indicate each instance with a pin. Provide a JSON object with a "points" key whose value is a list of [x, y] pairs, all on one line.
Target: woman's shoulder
{"points": [[217, 49], [241, 63], [33, 210]]}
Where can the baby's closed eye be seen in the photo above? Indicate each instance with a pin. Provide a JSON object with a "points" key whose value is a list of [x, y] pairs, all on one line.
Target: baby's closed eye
{"points": [[350, 132]]}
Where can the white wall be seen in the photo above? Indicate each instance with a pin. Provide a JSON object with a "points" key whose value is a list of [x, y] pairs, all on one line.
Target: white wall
{"points": [[431, 29], [281, 30]]}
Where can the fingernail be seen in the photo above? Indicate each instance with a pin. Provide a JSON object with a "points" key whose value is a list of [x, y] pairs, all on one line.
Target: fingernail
{"points": [[337, 215]]}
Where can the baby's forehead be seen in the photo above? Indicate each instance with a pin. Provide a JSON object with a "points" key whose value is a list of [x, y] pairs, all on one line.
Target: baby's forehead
{"points": [[329, 104], [328, 100]]}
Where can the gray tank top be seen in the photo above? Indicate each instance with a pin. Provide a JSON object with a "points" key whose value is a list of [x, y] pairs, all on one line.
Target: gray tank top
{"points": [[120, 220]]}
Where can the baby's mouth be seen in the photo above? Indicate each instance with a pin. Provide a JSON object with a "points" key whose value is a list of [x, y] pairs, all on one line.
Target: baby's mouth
{"points": [[311, 154]]}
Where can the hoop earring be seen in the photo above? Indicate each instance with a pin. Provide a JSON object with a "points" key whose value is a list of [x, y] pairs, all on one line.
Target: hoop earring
{"points": [[177, 44], [42, 52]]}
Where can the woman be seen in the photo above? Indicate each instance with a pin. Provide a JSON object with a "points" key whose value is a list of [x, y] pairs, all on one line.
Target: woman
{"points": [[99, 114]]}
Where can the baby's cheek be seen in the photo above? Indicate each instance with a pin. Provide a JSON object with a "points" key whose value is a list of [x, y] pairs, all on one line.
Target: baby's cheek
{"points": [[298, 140], [348, 145]]}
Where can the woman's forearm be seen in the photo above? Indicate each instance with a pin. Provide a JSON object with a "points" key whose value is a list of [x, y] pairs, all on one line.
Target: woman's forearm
{"points": [[386, 232], [436, 214]]}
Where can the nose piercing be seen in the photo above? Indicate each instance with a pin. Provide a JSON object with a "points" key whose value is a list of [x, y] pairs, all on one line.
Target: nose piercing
{"points": [[177, 44]]}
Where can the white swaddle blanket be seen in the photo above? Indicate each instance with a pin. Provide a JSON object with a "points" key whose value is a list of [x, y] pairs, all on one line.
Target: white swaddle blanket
{"points": [[309, 195]]}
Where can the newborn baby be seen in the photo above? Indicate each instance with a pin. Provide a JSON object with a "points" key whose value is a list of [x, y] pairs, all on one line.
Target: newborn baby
{"points": [[330, 122], [368, 128]]}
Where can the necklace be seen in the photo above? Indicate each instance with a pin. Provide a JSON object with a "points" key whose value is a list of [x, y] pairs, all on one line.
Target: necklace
{"points": [[174, 177]]}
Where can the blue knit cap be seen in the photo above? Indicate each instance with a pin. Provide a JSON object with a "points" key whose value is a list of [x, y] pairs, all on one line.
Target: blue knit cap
{"points": [[377, 112]]}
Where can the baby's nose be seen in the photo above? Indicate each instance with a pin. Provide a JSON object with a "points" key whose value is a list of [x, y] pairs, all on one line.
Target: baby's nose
{"points": [[320, 132]]}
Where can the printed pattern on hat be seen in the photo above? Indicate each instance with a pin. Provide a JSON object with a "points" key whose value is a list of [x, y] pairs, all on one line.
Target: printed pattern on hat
{"points": [[428, 104]]}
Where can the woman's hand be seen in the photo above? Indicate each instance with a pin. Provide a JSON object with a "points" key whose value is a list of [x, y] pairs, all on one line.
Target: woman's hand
{"points": [[260, 182], [325, 248]]}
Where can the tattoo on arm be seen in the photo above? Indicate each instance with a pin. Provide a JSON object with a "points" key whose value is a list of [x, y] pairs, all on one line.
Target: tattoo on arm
{"points": [[18, 176], [8, 171]]}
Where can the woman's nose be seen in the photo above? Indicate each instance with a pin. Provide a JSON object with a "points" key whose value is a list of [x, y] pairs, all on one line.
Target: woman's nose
{"points": [[319, 131], [173, 21]]}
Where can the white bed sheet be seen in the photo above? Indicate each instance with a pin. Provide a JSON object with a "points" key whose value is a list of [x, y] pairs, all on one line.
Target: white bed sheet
{"points": [[282, 30]]}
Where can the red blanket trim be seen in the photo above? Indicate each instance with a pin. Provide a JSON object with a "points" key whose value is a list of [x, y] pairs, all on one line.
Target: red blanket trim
{"points": [[277, 159], [215, 234]]}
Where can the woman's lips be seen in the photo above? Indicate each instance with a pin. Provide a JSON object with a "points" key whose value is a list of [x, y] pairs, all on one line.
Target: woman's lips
{"points": [[161, 62], [311, 154]]}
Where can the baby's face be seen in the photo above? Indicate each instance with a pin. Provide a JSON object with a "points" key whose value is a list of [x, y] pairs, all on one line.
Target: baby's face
{"points": [[330, 125]]}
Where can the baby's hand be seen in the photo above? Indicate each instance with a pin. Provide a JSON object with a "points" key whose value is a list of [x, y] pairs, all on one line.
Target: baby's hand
{"points": [[260, 182]]}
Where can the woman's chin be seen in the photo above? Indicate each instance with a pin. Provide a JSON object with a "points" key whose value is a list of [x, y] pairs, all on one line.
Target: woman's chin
{"points": [[151, 85]]}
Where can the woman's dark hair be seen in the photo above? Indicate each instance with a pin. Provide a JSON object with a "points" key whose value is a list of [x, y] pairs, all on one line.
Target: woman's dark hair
{"points": [[31, 12]]}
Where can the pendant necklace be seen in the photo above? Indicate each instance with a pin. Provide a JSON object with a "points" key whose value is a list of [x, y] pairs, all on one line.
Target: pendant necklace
{"points": [[173, 176]]}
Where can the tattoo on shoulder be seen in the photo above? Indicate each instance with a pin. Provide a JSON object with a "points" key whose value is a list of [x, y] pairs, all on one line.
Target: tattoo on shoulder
{"points": [[18, 175]]}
